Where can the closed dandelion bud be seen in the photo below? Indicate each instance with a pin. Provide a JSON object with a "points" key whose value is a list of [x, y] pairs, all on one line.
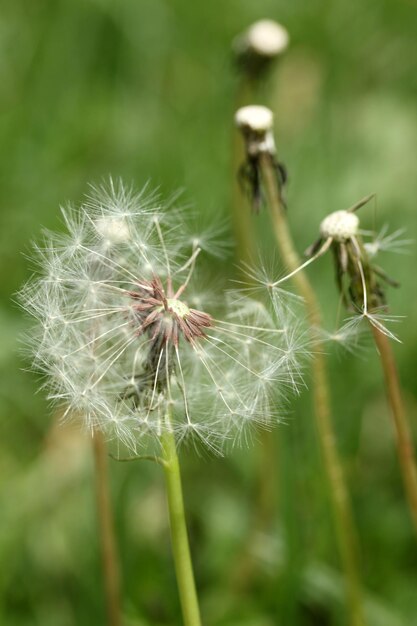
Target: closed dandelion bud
{"points": [[122, 344]]}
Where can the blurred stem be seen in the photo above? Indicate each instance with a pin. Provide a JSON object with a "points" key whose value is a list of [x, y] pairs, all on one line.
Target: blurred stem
{"points": [[179, 537], [107, 535], [402, 429], [266, 484], [241, 220], [338, 490]]}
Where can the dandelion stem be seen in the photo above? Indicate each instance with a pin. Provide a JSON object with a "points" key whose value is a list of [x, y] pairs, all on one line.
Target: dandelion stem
{"points": [[265, 505], [339, 495], [140, 457], [179, 537], [241, 220], [107, 537], [402, 429]]}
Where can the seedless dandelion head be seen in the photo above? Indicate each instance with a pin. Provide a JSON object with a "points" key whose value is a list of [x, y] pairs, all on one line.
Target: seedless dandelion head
{"points": [[340, 225], [257, 47], [359, 280], [124, 340], [267, 38], [256, 124], [254, 118]]}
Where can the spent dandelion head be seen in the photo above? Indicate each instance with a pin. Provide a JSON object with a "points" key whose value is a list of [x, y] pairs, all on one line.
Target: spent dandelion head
{"points": [[256, 125], [123, 345], [359, 279], [259, 45]]}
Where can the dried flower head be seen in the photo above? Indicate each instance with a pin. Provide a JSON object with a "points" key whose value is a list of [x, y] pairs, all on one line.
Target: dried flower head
{"points": [[126, 345], [255, 49], [358, 278], [340, 226], [256, 125]]}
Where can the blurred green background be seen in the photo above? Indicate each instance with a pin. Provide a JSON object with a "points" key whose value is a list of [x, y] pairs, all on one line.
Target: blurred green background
{"points": [[146, 90]]}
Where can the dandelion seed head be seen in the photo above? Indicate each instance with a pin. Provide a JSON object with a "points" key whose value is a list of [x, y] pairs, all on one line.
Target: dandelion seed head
{"points": [[123, 339]]}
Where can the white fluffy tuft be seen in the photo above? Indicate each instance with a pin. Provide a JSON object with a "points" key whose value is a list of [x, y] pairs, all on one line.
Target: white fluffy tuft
{"points": [[86, 338]]}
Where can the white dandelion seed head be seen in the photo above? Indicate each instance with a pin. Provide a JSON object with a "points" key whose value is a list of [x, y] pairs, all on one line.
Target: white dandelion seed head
{"points": [[340, 226], [125, 343]]}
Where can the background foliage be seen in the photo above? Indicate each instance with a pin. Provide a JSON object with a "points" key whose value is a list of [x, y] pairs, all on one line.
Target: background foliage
{"points": [[146, 91]]}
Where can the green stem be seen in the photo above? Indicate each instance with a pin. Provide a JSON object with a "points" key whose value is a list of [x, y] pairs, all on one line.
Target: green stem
{"points": [[265, 505], [339, 495], [107, 534], [241, 220], [179, 538], [402, 429]]}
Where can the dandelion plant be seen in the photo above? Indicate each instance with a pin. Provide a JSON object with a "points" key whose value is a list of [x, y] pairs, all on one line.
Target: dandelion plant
{"points": [[361, 284], [264, 176], [254, 51], [130, 345]]}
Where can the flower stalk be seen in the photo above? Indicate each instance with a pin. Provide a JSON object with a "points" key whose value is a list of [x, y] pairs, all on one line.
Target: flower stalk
{"points": [[360, 284], [256, 124], [255, 51], [402, 429], [179, 537], [110, 563], [339, 493]]}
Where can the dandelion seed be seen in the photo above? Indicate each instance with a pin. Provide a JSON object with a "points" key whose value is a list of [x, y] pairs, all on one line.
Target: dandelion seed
{"points": [[388, 242]]}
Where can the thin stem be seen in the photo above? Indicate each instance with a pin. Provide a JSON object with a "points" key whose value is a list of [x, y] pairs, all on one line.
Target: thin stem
{"points": [[333, 466], [323, 249], [241, 220], [179, 537], [139, 457], [265, 498], [402, 429], [107, 536]]}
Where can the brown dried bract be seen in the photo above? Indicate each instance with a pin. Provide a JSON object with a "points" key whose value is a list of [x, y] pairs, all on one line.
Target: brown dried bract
{"points": [[164, 317]]}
